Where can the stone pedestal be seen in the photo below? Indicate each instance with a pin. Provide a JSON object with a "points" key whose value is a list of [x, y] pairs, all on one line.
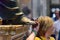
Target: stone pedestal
{"points": [[12, 32]]}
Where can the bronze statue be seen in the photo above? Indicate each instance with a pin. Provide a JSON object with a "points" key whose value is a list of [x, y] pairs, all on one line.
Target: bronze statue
{"points": [[10, 13]]}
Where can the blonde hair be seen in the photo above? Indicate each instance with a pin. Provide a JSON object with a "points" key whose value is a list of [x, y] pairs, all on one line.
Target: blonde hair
{"points": [[44, 23]]}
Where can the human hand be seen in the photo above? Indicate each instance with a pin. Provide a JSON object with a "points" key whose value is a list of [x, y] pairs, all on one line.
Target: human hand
{"points": [[35, 26]]}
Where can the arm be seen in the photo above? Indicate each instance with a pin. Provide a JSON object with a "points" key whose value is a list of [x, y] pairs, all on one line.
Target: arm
{"points": [[31, 37], [57, 35], [33, 34]]}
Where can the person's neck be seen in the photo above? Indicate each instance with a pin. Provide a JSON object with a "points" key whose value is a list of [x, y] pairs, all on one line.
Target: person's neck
{"points": [[57, 17], [47, 37]]}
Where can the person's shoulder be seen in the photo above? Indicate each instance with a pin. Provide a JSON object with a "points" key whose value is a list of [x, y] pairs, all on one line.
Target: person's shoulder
{"points": [[37, 38], [52, 38]]}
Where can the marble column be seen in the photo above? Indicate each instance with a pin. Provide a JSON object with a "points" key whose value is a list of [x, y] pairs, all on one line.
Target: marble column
{"points": [[39, 8]]}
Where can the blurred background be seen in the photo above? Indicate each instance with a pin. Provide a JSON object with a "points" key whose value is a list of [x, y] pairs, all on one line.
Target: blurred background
{"points": [[40, 7], [32, 9]]}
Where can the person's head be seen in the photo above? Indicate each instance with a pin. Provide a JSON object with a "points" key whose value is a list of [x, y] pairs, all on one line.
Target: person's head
{"points": [[57, 12], [45, 25]]}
